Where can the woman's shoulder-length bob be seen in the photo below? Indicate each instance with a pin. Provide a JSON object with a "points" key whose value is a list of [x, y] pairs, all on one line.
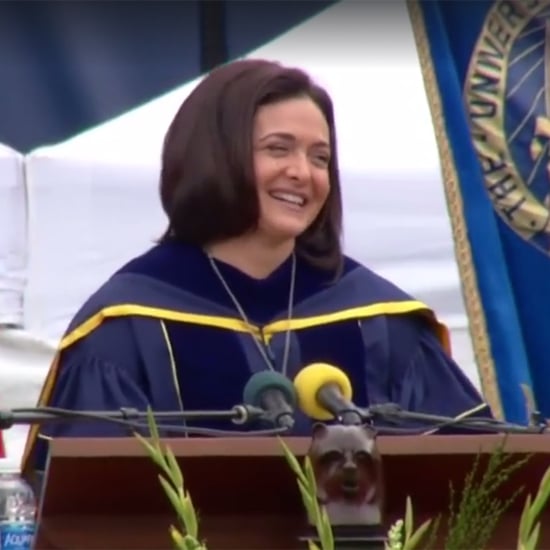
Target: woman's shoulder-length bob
{"points": [[207, 183]]}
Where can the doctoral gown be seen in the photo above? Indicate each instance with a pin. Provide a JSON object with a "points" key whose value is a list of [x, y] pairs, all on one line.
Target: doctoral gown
{"points": [[163, 332]]}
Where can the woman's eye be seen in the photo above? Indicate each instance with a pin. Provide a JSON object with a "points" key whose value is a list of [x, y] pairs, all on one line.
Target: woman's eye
{"points": [[322, 159], [277, 148]]}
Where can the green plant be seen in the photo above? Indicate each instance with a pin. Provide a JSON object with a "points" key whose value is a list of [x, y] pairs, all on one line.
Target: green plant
{"points": [[529, 531], [474, 516], [472, 520], [432, 533], [401, 535], [185, 537], [317, 514]]}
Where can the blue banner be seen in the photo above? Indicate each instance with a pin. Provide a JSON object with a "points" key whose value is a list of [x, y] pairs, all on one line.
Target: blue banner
{"points": [[486, 67]]}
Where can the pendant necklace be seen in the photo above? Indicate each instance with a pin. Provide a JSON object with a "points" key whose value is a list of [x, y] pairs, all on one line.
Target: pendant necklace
{"points": [[262, 346]]}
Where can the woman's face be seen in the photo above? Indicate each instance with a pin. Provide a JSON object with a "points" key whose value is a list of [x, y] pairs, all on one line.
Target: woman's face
{"points": [[291, 159]]}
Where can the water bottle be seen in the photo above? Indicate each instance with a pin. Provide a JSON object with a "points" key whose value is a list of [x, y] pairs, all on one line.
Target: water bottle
{"points": [[17, 512]]}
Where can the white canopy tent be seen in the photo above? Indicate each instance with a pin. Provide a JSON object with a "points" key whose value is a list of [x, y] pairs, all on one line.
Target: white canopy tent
{"points": [[12, 236]]}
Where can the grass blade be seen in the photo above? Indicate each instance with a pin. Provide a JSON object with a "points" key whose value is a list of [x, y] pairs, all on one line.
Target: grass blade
{"points": [[541, 498], [173, 497], [177, 538], [310, 476], [325, 527], [293, 462], [525, 521], [417, 536], [408, 518], [174, 468], [153, 429], [190, 516], [533, 538]]}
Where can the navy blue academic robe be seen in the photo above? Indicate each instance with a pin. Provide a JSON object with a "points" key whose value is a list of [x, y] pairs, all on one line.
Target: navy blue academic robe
{"points": [[163, 332]]}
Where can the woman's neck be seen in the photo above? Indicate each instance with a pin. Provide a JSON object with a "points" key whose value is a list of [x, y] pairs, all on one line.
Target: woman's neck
{"points": [[251, 254]]}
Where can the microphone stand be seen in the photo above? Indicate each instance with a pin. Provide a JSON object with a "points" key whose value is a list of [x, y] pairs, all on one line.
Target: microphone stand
{"points": [[240, 414], [393, 413]]}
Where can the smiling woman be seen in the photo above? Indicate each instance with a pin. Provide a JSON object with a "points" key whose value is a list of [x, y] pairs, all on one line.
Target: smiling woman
{"points": [[248, 277]]}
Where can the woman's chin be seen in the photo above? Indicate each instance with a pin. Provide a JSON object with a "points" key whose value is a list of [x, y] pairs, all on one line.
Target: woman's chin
{"points": [[283, 231]]}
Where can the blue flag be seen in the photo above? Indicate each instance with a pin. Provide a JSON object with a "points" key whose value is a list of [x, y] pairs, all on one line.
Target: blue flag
{"points": [[486, 67]]}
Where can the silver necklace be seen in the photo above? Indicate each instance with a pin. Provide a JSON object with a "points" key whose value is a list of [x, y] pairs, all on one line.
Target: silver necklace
{"points": [[242, 313]]}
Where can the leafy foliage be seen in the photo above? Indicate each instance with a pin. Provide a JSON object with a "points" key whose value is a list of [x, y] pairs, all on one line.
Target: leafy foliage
{"points": [[401, 535], [473, 516], [317, 514], [186, 537], [529, 527]]}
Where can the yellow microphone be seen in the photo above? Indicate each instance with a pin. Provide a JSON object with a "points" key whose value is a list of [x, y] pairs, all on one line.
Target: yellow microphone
{"points": [[324, 392]]}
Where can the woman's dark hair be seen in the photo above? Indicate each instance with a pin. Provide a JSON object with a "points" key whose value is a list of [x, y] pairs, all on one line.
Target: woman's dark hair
{"points": [[207, 185]]}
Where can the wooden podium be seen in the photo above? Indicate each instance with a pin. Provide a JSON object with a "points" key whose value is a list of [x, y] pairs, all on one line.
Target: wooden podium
{"points": [[105, 494]]}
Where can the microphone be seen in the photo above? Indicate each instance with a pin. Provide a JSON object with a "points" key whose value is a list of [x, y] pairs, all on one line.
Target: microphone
{"points": [[324, 392], [274, 393]]}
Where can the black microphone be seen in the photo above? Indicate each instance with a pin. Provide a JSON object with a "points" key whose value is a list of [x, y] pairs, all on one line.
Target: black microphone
{"points": [[274, 393], [324, 392]]}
